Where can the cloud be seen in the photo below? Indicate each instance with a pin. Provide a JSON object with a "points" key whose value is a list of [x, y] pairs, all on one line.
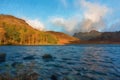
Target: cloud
{"points": [[37, 24], [69, 25], [64, 2], [87, 25], [58, 21], [92, 18], [94, 14], [93, 11]]}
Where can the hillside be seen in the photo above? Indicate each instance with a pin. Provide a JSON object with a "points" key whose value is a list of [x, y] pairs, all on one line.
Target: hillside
{"points": [[98, 37], [16, 31], [64, 38]]}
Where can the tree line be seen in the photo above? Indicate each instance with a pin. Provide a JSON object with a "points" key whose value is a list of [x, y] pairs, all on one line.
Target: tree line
{"points": [[22, 35]]}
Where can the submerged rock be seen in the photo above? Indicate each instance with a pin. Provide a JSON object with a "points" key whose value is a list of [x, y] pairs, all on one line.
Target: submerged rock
{"points": [[69, 77], [53, 77], [34, 76], [2, 57], [17, 64], [47, 56], [29, 58]]}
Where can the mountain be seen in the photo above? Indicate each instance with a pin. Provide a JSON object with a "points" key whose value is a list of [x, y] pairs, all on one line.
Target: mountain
{"points": [[63, 38], [16, 31], [98, 37]]}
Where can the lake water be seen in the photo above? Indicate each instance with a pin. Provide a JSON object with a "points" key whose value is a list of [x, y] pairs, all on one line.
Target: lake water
{"points": [[76, 62]]}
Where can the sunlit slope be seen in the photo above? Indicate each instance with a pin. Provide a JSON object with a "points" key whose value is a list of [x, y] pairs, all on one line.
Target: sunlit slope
{"points": [[15, 31], [64, 38]]}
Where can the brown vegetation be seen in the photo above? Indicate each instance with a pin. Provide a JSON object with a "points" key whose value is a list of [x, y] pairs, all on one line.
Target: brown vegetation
{"points": [[64, 38], [16, 31]]}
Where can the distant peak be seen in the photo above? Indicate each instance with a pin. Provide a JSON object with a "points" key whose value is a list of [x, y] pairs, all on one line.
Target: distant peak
{"points": [[94, 31]]}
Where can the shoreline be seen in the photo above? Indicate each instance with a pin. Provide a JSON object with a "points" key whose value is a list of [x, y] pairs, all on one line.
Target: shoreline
{"points": [[67, 44]]}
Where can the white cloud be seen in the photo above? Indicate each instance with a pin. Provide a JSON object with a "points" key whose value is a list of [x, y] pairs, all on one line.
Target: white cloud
{"points": [[58, 21], [92, 18], [68, 24], [87, 25], [37, 24], [93, 11], [94, 14]]}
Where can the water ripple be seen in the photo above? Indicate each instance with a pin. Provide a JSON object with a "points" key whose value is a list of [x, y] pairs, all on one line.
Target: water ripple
{"points": [[81, 62]]}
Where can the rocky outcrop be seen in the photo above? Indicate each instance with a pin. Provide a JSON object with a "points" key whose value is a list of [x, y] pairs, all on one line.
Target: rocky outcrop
{"points": [[102, 37], [87, 35]]}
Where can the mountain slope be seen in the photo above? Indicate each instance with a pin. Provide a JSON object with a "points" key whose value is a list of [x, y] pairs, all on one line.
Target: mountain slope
{"points": [[64, 38], [17, 32], [98, 37]]}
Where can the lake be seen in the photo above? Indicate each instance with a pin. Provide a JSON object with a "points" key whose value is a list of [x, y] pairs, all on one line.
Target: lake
{"points": [[70, 62]]}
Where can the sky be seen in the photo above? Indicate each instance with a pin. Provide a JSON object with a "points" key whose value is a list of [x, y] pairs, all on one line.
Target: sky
{"points": [[69, 16]]}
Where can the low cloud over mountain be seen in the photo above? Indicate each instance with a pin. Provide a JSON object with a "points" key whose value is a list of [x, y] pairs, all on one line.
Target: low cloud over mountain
{"points": [[92, 18]]}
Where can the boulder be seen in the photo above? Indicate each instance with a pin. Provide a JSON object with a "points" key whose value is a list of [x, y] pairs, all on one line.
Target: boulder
{"points": [[69, 77], [17, 64], [33, 76], [29, 57], [2, 57], [47, 56], [53, 77]]}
